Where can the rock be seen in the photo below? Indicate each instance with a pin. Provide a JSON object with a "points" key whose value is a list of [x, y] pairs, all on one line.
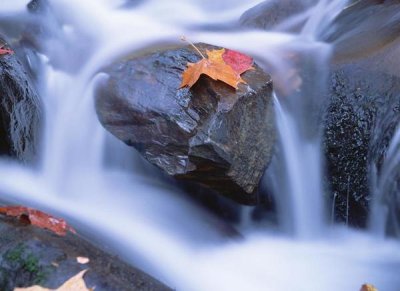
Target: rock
{"points": [[20, 110], [211, 134], [269, 14], [30, 255], [38, 6], [363, 28], [361, 119]]}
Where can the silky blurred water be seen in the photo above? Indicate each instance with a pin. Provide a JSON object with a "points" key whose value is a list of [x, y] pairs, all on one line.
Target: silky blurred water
{"points": [[103, 188]]}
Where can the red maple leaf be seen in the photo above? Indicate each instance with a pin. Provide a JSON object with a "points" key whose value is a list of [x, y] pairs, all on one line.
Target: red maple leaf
{"points": [[38, 218], [239, 62]]}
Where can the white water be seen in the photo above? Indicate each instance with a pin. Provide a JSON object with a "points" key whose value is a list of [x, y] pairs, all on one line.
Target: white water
{"points": [[148, 222], [383, 185]]}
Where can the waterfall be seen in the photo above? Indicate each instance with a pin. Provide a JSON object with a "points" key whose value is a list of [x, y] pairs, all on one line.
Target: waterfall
{"points": [[83, 174], [385, 184]]}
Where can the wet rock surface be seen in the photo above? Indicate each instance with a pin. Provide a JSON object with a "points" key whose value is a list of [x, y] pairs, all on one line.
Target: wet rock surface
{"points": [[363, 28], [29, 256], [268, 14], [361, 119], [210, 134], [20, 110]]}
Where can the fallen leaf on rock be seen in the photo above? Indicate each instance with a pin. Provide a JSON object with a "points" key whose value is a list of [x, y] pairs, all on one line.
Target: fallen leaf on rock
{"points": [[368, 287], [214, 67], [76, 283], [82, 260], [239, 62], [38, 218]]}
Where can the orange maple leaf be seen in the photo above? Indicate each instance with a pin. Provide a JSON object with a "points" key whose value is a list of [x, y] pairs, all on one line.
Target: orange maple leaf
{"points": [[215, 67], [38, 218]]}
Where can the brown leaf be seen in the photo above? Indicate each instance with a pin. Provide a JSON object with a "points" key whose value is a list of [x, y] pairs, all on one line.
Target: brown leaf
{"points": [[214, 67], [76, 283], [368, 287], [38, 218]]}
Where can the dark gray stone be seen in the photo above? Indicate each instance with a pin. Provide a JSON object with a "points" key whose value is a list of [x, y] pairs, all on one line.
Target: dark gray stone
{"points": [[363, 28], [20, 110], [211, 134], [361, 119], [30, 255], [268, 14]]}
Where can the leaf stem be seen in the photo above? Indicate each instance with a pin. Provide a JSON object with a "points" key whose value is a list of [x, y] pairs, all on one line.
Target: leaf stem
{"points": [[183, 38]]}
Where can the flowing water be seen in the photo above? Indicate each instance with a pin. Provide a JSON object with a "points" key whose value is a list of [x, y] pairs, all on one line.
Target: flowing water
{"points": [[106, 191]]}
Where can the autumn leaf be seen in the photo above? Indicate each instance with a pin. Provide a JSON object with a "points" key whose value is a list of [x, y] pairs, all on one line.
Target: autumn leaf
{"points": [[38, 218], [214, 67], [76, 283], [368, 287], [239, 62]]}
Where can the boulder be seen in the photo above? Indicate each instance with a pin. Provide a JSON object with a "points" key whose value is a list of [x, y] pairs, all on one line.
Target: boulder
{"points": [[363, 28], [30, 256], [268, 14], [20, 110], [361, 119], [364, 106], [211, 134]]}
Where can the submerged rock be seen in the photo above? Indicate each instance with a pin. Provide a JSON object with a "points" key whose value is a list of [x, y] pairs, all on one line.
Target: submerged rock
{"points": [[30, 255], [20, 110], [210, 134]]}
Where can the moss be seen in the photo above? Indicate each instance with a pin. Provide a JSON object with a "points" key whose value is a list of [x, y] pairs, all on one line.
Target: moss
{"points": [[19, 264], [15, 255]]}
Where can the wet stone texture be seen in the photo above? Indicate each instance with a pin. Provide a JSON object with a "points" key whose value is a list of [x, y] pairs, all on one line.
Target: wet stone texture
{"points": [[362, 117], [30, 255], [364, 109], [269, 14], [210, 134], [20, 110], [363, 28]]}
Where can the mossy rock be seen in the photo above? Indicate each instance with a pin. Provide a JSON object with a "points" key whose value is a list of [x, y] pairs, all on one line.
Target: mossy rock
{"points": [[30, 255]]}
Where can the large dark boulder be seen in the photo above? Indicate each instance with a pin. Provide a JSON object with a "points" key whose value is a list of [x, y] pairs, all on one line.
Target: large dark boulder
{"points": [[20, 110], [30, 255], [361, 119], [210, 134], [364, 106]]}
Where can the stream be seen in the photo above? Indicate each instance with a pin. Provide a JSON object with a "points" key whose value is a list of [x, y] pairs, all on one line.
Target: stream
{"points": [[107, 192]]}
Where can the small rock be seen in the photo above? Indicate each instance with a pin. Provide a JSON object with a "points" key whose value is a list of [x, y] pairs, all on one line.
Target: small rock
{"points": [[211, 134]]}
